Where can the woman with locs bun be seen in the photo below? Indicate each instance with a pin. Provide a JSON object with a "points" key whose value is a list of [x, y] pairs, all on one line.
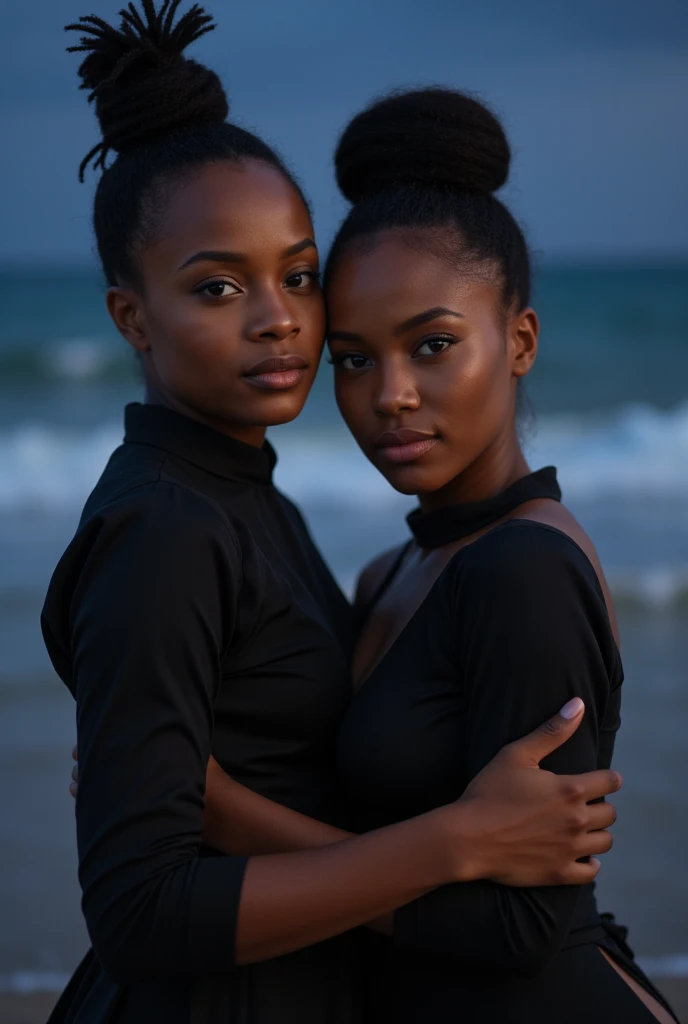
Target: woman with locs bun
{"points": [[192, 616]]}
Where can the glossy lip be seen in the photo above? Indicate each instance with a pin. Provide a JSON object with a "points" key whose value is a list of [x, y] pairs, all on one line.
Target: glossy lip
{"points": [[278, 373], [405, 445]]}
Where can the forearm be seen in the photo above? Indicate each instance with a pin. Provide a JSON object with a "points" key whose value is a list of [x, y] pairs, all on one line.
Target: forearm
{"points": [[238, 821], [293, 900]]}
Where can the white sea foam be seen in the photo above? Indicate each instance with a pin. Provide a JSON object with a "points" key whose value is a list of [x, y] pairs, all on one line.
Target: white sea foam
{"points": [[639, 451], [80, 358]]}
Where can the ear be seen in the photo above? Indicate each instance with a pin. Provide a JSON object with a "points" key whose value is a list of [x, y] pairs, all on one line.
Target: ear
{"points": [[126, 309], [523, 331]]}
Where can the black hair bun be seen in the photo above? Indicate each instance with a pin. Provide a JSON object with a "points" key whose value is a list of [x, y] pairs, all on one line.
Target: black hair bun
{"points": [[435, 137], [142, 85]]}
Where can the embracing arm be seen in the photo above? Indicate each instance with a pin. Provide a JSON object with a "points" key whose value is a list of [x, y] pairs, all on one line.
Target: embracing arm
{"points": [[534, 630], [145, 605], [145, 690], [237, 820]]}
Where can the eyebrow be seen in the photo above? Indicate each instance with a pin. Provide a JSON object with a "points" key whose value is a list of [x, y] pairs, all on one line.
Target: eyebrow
{"points": [[425, 318], [225, 256], [407, 325]]}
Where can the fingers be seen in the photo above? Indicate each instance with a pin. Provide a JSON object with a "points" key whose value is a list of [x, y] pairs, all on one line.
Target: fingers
{"points": [[531, 749], [600, 816], [592, 844], [73, 788], [75, 772], [75, 755], [581, 874], [591, 785]]}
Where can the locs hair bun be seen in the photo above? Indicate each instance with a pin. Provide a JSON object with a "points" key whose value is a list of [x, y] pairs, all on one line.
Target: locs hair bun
{"points": [[142, 86], [429, 137]]}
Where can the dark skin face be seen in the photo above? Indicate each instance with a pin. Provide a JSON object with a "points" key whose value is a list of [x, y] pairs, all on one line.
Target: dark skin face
{"points": [[420, 347], [228, 281]]}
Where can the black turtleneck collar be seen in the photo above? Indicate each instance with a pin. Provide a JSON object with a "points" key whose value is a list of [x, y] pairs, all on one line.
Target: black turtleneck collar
{"points": [[223, 456], [454, 522]]}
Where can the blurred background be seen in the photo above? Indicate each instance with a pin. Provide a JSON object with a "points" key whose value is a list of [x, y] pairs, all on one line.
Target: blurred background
{"points": [[594, 96]]}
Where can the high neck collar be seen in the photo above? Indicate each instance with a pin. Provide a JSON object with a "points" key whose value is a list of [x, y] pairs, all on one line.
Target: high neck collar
{"points": [[454, 522], [223, 456]]}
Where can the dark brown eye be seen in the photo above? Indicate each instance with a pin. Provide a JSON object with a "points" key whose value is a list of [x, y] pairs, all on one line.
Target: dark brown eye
{"points": [[352, 361], [302, 279], [218, 289], [433, 346]]}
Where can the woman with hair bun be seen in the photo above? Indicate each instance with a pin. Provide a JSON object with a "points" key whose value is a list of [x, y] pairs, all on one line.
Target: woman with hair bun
{"points": [[498, 605], [192, 615]]}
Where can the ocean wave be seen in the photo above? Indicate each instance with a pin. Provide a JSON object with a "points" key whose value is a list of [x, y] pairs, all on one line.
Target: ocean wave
{"points": [[74, 359], [655, 588], [637, 452]]}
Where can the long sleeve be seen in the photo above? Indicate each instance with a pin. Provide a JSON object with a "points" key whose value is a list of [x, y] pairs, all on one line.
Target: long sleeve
{"points": [[534, 632], [153, 586]]}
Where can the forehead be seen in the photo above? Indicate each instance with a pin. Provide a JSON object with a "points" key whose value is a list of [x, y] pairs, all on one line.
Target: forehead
{"points": [[247, 206], [391, 278]]}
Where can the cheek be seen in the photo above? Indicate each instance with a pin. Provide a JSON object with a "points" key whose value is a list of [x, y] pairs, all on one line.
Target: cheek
{"points": [[477, 392], [192, 336]]}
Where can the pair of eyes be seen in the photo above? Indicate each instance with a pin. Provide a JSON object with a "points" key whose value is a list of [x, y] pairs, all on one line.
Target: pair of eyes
{"points": [[433, 346], [221, 288]]}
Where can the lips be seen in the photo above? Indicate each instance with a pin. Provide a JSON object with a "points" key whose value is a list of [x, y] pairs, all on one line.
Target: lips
{"points": [[278, 373], [405, 445]]}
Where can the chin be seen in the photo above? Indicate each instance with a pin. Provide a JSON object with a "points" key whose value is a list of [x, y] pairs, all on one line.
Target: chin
{"points": [[274, 409], [412, 478]]}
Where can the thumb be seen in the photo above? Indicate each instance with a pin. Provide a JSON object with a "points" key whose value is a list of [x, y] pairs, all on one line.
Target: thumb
{"points": [[531, 749]]}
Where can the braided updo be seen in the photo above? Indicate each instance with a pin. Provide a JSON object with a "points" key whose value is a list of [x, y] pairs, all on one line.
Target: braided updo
{"points": [[429, 161], [160, 112]]}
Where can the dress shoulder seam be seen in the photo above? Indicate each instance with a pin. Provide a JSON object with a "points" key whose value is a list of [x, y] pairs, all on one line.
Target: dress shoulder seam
{"points": [[153, 482]]}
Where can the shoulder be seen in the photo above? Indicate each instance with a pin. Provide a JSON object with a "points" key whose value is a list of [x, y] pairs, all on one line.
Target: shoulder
{"points": [[524, 559], [375, 573], [155, 518]]}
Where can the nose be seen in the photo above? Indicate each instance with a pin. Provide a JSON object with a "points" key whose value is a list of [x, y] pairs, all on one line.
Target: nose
{"points": [[397, 391], [271, 317]]}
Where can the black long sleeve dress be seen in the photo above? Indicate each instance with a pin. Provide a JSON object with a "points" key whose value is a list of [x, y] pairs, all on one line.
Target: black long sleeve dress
{"points": [[190, 615], [514, 627]]}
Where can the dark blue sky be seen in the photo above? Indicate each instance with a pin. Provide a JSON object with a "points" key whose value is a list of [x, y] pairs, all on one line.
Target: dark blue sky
{"points": [[594, 94]]}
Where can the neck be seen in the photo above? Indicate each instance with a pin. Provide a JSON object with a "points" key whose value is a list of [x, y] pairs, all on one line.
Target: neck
{"points": [[497, 468], [254, 435]]}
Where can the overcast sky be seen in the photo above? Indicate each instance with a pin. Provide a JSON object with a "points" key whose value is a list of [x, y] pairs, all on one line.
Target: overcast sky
{"points": [[594, 95]]}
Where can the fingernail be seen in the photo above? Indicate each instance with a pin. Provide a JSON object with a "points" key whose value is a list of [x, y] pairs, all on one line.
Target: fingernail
{"points": [[573, 708]]}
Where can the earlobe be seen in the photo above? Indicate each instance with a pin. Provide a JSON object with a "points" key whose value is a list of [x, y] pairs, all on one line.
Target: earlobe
{"points": [[124, 306], [525, 329]]}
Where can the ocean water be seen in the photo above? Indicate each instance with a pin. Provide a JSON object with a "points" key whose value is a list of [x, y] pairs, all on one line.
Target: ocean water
{"points": [[610, 392]]}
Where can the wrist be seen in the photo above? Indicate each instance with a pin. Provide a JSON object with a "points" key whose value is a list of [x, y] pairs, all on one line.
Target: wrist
{"points": [[461, 842]]}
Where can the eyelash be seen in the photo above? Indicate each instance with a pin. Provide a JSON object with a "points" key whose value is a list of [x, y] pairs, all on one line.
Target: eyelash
{"points": [[337, 360]]}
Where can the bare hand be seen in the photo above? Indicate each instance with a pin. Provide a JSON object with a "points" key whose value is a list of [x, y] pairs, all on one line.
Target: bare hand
{"points": [[533, 827]]}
